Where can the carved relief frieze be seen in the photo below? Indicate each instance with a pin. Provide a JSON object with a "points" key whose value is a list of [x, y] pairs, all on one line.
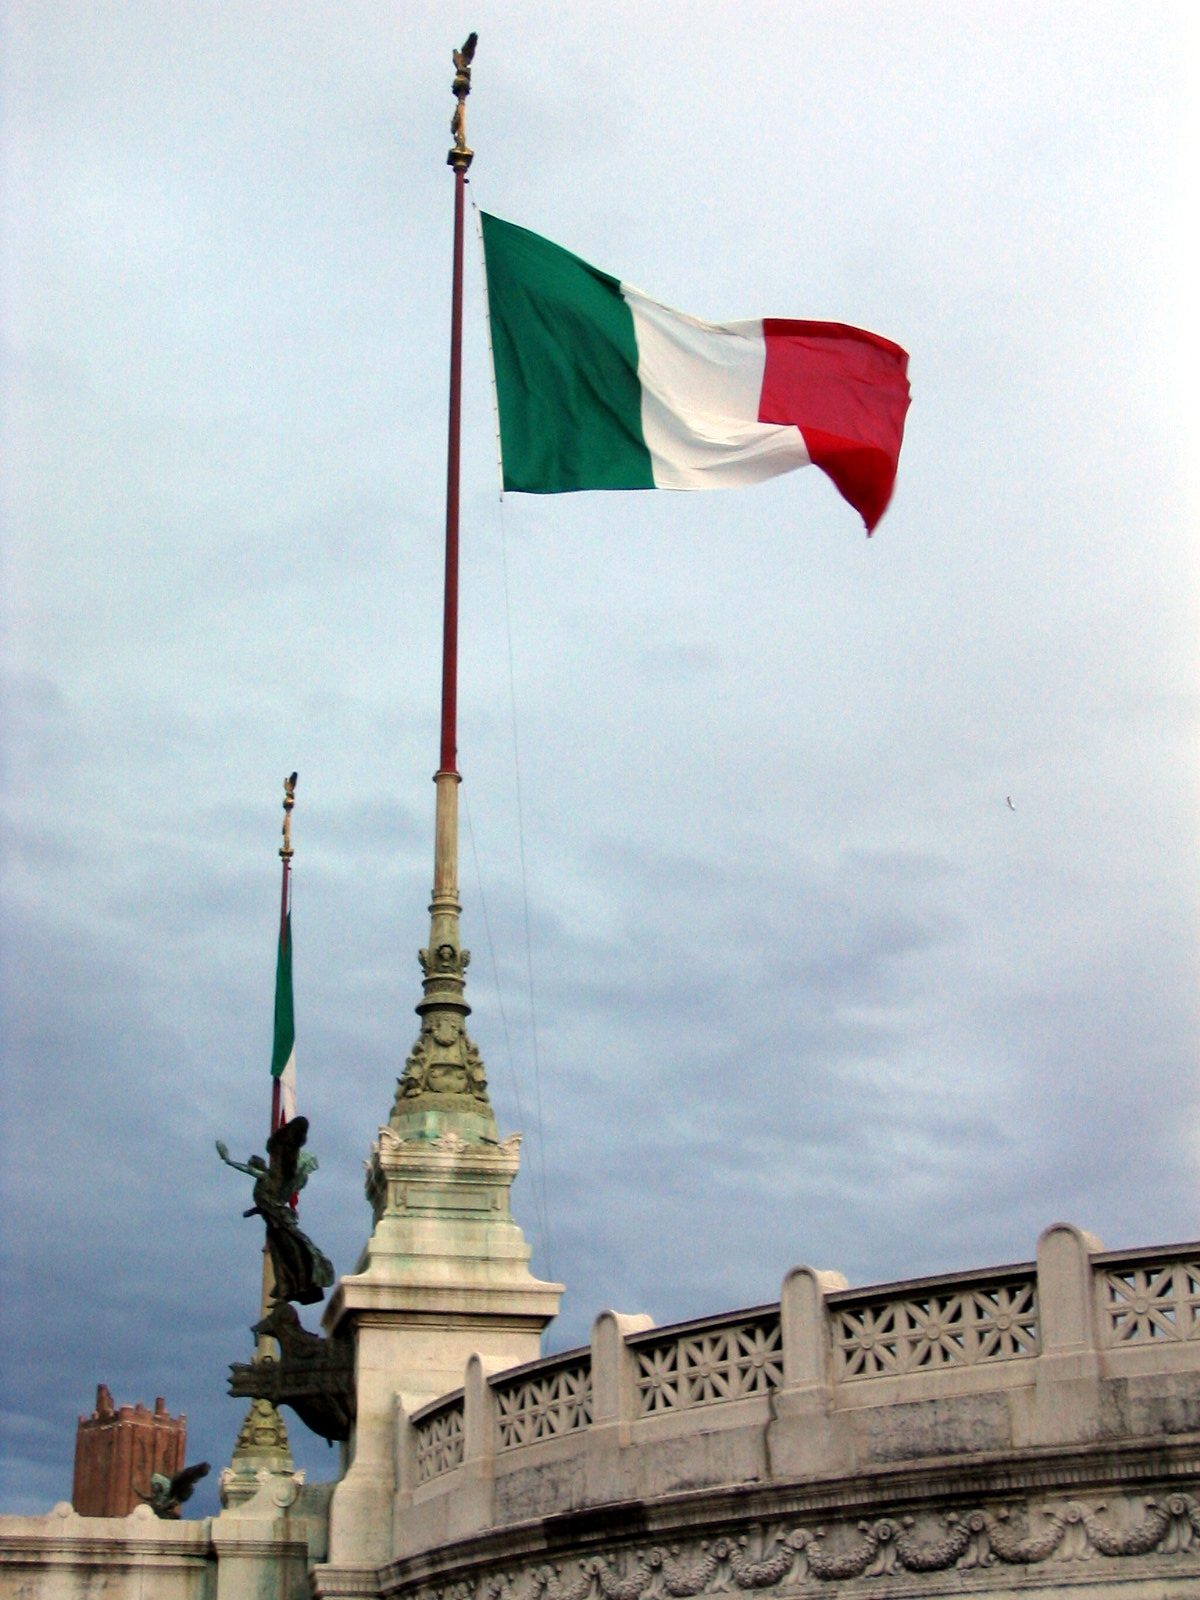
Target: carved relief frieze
{"points": [[798, 1557]]}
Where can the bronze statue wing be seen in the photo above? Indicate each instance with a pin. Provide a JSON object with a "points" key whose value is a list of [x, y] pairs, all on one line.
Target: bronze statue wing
{"points": [[183, 1483]]}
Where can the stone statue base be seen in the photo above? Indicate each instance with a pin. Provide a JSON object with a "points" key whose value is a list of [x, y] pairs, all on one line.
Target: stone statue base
{"points": [[262, 1446], [445, 1274]]}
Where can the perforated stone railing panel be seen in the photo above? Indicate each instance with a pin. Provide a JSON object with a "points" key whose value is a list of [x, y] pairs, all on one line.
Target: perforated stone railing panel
{"points": [[950, 1325], [543, 1403], [1148, 1301], [702, 1366], [439, 1439]]}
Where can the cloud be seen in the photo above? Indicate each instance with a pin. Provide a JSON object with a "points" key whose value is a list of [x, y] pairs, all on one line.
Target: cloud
{"points": [[805, 988]]}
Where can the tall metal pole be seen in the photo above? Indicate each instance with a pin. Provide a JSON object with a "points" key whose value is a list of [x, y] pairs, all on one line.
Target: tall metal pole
{"points": [[445, 870], [286, 852], [450, 611], [266, 1346], [444, 1088]]}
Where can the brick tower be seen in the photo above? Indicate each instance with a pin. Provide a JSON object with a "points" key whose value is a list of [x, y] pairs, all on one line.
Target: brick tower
{"points": [[116, 1450]]}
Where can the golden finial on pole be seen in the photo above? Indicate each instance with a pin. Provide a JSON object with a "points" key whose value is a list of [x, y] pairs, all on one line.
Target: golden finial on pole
{"points": [[460, 157], [289, 800]]}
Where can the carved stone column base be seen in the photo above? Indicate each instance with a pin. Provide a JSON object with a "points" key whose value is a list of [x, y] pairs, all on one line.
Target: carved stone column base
{"points": [[444, 1275]]}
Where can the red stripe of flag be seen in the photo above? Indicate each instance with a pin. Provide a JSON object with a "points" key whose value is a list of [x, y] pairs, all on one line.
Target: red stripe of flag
{"points": [[847, 391]]}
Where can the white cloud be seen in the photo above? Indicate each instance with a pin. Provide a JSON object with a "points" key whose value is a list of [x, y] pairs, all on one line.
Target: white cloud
{"points": [[807, 987]]}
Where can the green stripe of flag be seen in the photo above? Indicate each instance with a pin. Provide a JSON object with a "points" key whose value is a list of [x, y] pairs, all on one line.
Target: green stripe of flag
{"points": [[566, 363], [285, 1022]]}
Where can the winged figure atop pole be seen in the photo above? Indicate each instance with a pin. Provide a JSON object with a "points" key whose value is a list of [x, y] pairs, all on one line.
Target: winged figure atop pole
{"points": [[302, 1272], [460, 157]]}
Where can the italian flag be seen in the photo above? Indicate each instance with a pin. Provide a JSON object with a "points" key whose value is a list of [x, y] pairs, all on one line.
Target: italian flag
{"points": [[600, 387], [283, 1056]]}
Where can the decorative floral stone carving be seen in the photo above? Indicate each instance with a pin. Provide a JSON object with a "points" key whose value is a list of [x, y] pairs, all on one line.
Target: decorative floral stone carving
{"points": [[701, 1369], [440, 1441], [883, 1548], [985, 1322], [544, 1406], [283, 1489], [262, 1446], [444, 961], [444, 1060], [1147, 1303], [262, 1433]]}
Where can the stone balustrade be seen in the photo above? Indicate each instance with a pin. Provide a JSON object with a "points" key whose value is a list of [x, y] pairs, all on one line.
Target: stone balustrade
{"points": [[438, 1442], [1148, 1296], [708, 1362], [543, 1399], [962, 1320], [1080, 1349], [922, 1325]]}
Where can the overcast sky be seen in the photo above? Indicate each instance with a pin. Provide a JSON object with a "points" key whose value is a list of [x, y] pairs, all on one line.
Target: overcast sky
{"points": [[807, 988]]}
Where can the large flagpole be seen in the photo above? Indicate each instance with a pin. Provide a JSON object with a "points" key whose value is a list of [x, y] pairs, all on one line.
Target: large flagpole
{"points": [[286, 852], [445, 907], [264, 1433], [444, 1087], [265, 1345]]}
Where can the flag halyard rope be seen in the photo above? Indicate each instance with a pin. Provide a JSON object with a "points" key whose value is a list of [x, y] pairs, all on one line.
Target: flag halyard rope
{"points": [[539, 1208], [533, 1022]]}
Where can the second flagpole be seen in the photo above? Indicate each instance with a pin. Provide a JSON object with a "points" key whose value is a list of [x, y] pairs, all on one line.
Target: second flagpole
{"points": [[286, 852]]}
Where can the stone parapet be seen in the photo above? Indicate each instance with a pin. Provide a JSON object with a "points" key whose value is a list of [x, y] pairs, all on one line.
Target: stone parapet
{"points": [[264, 1547], [64, 1556], [1079, 1349]]}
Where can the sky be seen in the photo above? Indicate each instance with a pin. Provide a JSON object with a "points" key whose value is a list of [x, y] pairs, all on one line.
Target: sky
{"points": [[806, 988]]}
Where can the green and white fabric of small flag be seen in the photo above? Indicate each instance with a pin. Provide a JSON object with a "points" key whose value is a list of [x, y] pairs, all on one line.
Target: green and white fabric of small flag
{"points": [[283, 1056], [600, 387]]}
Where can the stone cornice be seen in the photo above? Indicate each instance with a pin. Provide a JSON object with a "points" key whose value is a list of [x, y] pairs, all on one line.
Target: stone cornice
{"points": [[139, 1541], [335, 1582], [873, 1491]]}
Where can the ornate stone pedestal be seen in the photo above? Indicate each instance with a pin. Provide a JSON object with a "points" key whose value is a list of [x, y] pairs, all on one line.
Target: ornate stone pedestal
{"points": [[262, 1447], [445, 1273]]}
